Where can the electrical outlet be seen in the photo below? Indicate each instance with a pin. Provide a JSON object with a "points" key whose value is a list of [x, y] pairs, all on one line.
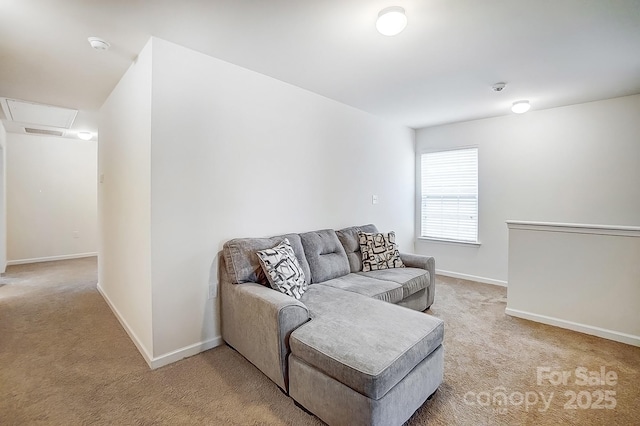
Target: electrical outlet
{"points": [[76, 234]]}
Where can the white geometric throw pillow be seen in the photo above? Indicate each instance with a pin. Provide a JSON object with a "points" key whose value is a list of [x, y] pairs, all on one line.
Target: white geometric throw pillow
{"points": [[379, 251], [283, 270]]}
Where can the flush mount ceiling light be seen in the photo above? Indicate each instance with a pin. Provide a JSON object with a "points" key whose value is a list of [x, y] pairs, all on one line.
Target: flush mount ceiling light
{"points": [[85, 136], [391, 21], [520, 107], [98, 43]]}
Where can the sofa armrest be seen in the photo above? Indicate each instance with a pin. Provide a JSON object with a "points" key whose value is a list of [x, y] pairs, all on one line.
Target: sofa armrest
{"points": [[423, 262], [257, 321]]}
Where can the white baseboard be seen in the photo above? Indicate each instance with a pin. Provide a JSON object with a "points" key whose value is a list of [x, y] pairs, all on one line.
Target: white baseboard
{"points": [[582, 328], [471, 278], [132, 335], [161, 361], [185, 352], [51, 258]]}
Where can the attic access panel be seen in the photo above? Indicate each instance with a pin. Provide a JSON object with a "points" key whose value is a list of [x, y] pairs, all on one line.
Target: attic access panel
{"points": [[39, 114]]}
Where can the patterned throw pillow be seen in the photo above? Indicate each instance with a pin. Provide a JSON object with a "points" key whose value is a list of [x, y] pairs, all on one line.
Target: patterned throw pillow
{"points": [[283, 269], [379, 251]]}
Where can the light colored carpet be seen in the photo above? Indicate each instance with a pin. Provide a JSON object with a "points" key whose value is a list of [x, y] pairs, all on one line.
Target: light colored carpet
{"points": [[64, 359]]}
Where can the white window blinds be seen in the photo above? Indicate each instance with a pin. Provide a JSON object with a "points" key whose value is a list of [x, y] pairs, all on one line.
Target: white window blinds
{"points": [[450, 195]]}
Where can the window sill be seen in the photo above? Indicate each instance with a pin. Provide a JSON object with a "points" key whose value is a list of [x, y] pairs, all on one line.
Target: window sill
{"points": [[455, 242]]}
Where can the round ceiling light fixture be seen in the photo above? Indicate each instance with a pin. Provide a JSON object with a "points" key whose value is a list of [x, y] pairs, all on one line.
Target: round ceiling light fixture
{"points": [[98, 43], [85, 136], [520, 107], [391, 21]]}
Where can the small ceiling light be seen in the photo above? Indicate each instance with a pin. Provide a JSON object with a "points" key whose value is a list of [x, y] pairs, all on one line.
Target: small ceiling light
{"points": [[520, 107], [85, 136], [98, 43], [391, 21]]}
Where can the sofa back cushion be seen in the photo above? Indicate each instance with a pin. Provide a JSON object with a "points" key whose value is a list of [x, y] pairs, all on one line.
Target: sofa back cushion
{"points": [[242, 261], [349, 239], [326, 256]]}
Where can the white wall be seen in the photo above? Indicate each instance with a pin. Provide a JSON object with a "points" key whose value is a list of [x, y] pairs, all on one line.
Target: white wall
{"points": [[583, 278], [236, 154], [51, 198], [3, 198], [575, 164], [124, 162], [196, 151]]}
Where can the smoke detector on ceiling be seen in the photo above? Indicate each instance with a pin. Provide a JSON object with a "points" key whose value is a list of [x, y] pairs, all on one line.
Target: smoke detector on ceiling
{"points": [[498, 87], [98, 43]]}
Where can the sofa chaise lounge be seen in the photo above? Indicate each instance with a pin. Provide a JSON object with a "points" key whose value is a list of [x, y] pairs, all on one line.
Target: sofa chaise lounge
{"points": [[349, 350]]}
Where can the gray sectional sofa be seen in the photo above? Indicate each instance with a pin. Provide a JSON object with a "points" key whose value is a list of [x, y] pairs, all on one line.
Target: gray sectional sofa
{"points": [[349, 350]]}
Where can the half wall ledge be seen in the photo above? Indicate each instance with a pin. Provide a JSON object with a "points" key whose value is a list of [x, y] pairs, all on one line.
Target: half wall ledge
{"points": [[580, 277]]}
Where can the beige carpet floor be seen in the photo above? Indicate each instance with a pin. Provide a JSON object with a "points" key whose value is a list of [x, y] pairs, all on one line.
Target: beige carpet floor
{"points": [[65, 360]]}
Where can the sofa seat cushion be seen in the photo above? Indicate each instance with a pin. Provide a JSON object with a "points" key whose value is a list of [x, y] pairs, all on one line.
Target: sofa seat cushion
{"points": [[367, 344], [412, 280], [387, 291]]}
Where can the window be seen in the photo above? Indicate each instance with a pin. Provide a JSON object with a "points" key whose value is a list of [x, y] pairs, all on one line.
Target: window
{"points": [[449, 185]]}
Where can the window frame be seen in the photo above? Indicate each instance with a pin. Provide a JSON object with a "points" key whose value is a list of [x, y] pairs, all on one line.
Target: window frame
{"points": [[419, 235]]}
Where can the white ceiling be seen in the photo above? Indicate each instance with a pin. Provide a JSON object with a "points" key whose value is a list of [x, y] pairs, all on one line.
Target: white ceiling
{"points": [[439, 70]]}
